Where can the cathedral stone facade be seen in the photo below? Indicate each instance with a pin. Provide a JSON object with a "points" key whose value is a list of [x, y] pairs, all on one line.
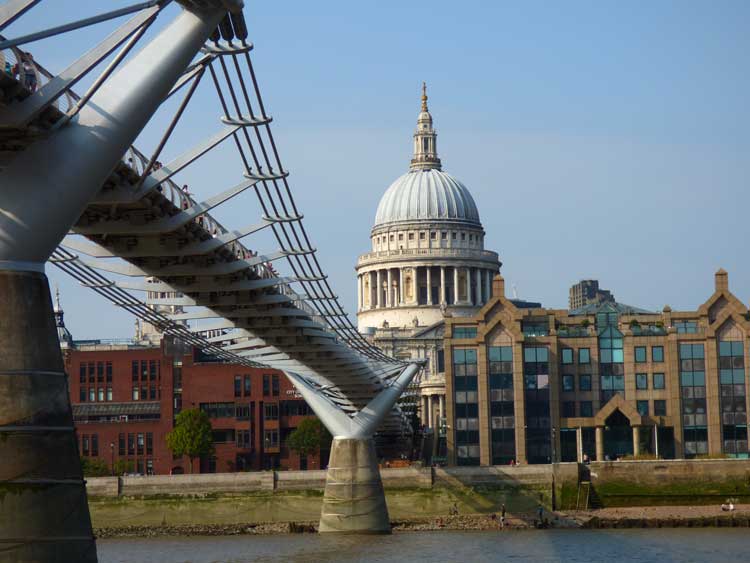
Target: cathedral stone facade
{"points": [[427, 262]]}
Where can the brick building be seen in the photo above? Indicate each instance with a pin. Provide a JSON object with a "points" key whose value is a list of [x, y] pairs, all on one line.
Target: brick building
{"points": [[605, 380], [125, 397]]}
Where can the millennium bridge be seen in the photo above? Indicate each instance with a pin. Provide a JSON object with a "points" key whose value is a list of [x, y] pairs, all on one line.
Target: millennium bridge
{"points": [[76, 193]]}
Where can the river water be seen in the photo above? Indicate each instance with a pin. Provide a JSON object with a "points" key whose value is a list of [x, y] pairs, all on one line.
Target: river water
{"points": [[590, 546]]}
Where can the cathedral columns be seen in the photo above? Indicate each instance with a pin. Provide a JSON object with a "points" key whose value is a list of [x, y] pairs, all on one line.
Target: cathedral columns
{"points": [[488, 283], [429, 285], [400, 286], [480, 283], [360, 302], [379, 289], [468, 286], [442, 285], [455, 285], [389, 291]]}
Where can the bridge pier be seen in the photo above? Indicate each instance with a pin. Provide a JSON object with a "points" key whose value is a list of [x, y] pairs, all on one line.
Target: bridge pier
{"points": [[354, 501], [43, 506]]}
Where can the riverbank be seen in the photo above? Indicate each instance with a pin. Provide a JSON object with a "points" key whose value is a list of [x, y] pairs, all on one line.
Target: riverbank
{"points": [[467, 522], [606, 518], [700, 516]]}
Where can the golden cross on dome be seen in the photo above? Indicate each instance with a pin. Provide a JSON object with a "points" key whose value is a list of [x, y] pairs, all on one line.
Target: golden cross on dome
{"points": [[424, 96]]}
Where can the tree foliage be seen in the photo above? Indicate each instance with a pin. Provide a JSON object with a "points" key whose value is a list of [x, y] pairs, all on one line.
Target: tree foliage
{"points": [[123, 466], [308, 437], [94, 467], [191, 435]]}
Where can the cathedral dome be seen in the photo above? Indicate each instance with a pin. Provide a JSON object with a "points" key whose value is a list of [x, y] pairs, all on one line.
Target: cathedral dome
{"points": [[426, 195]]}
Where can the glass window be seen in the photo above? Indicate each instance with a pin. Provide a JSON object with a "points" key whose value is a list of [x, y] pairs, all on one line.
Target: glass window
{"points": [[642, 407], [248, 385], [584, 356], [660, 407], [567, 355], [275, 385], [658, 380], [587, 408], [82, 395], [266, 384], [640, 354], [657, 354], [584, 382], [109, 393], [569, 409], [92, 395], [686, 327], [641, 381], [568, 383], [237, 386], [464, 332]]}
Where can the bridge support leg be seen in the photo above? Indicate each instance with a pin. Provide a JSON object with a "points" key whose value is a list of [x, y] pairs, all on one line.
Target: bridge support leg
{"points": [[44, 514], [354, 501]]}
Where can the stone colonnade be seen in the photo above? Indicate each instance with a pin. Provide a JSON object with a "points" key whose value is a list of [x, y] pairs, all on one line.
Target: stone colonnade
{"points": [[433, 410], [599, 441], [403, 285]]}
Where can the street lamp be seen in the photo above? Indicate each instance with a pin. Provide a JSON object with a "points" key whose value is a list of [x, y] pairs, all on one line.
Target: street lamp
{"points": [[112, 456]]}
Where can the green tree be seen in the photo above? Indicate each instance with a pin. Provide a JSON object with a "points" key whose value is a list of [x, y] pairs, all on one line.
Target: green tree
{"points": [[191, 435], [94, 467], [308, 437], [123, 466]]}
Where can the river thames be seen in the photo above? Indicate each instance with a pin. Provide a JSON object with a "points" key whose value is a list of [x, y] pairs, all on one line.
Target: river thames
{"points": [[652, 545]]}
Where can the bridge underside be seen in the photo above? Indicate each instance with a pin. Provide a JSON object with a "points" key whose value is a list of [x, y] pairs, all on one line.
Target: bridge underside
{"points": [[68, 170]]}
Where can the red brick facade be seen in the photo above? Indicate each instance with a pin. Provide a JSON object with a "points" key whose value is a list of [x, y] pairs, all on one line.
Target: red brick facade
{"points": [[125, 398]]}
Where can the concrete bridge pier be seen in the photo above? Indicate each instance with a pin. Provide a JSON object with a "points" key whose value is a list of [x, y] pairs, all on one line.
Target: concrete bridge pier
{"points": [[39, 467], [354, 501]]}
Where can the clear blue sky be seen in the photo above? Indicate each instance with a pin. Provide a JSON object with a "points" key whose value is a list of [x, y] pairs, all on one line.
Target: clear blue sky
{"points": [[600, 139]]}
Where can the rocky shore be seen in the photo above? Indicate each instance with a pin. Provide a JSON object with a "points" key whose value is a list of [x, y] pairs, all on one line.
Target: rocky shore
{"points": [[662, 517], [606, 518]]}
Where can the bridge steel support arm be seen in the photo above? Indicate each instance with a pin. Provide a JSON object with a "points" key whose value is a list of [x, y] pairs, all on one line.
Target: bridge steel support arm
{"points": [[354, 501], [42, 193]]}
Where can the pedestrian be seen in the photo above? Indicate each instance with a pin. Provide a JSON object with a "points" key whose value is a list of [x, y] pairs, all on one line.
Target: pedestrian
{"points": [[540, 514], [29, 72], [502, 516], [586, 459]]}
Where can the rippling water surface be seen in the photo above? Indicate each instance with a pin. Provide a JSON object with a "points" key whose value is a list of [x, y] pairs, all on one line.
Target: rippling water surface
{"points": [[679, 545]]}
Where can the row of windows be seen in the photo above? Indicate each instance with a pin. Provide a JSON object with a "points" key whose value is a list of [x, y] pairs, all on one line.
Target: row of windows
{"points": [[657, 354], [95, 372], [144, 393], [94, 394], [586, 408], [242, 385], [584, 356], [145, 370], [137, 443], [423, 235]]}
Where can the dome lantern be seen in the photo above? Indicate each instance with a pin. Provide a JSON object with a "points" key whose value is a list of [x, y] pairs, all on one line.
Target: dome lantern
{"points": [[425, 139]]}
